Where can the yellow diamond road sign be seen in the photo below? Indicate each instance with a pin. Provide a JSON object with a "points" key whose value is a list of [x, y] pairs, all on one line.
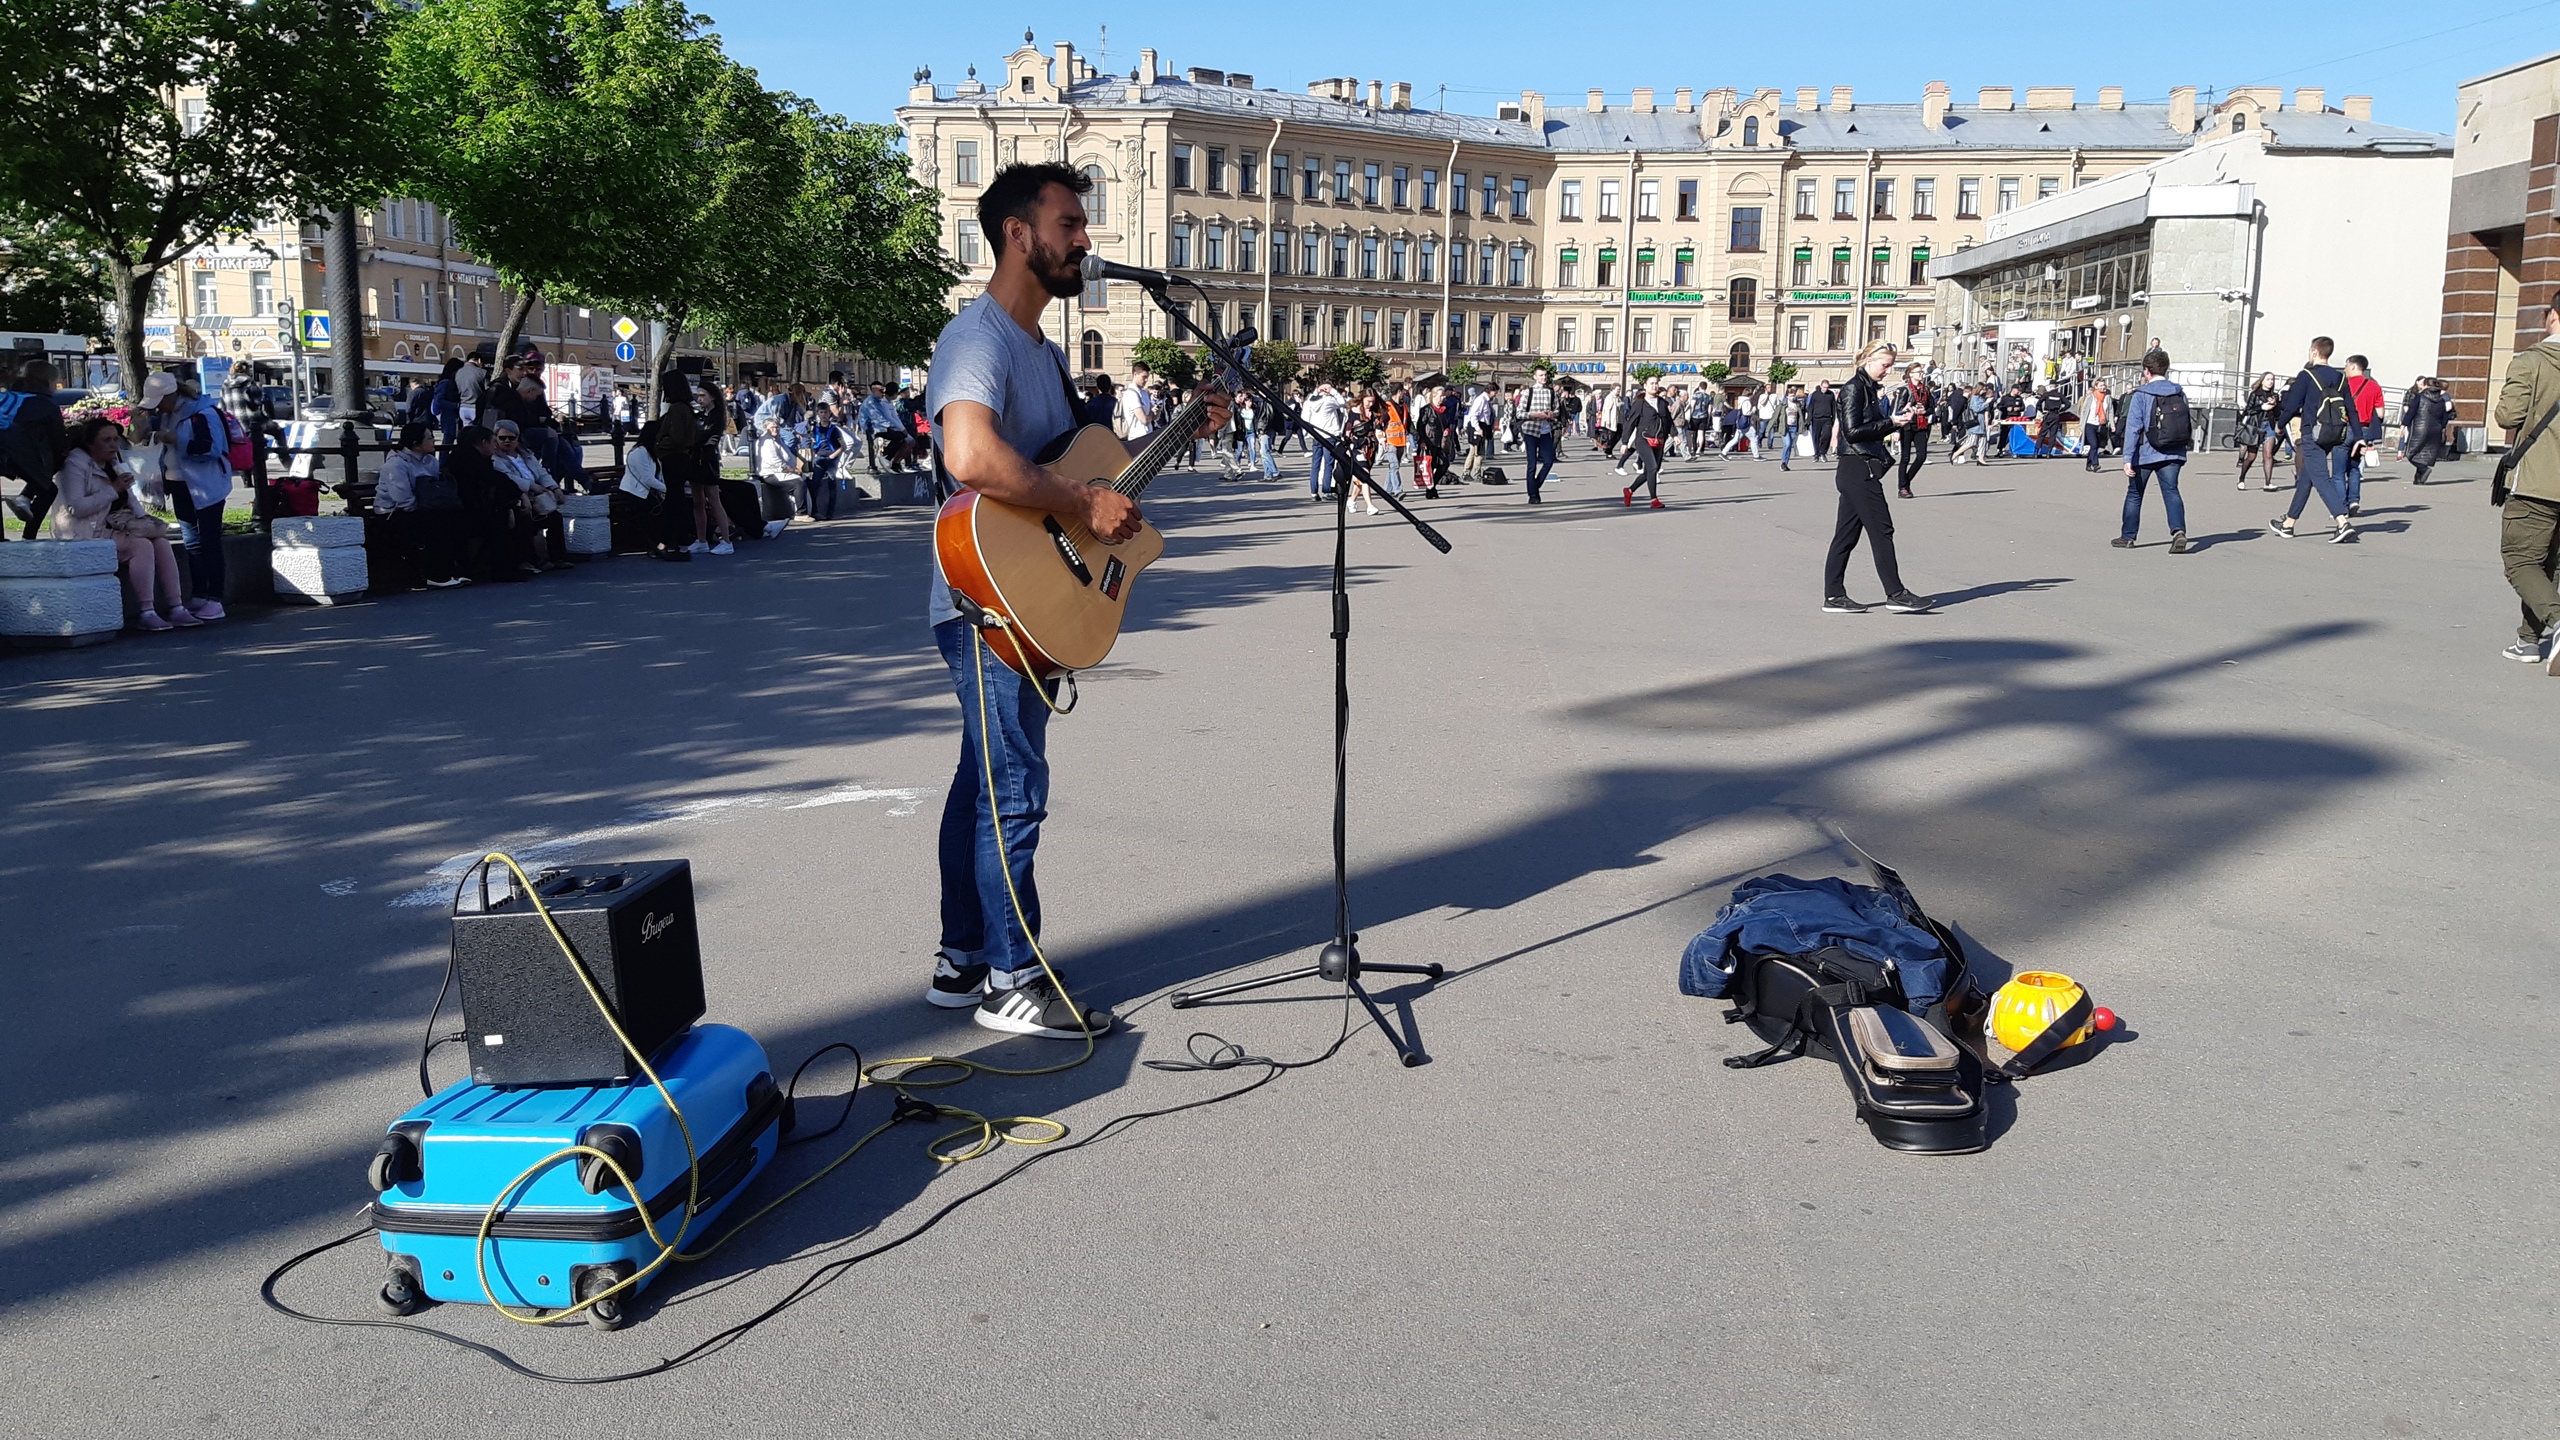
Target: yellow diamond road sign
{"points": [[625, 328]]}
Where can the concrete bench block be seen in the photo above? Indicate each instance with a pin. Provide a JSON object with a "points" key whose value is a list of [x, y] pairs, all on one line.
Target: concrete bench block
{"points": [[51, 559], [61, 609], [589, 522], [318, 576], [321, 532]]}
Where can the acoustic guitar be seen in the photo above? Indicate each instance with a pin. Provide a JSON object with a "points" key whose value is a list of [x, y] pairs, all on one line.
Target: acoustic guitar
{"points": [[1060, 592]]}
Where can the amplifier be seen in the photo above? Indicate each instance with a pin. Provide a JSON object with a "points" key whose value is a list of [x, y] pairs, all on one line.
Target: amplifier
{"points": [[529, 1021]]}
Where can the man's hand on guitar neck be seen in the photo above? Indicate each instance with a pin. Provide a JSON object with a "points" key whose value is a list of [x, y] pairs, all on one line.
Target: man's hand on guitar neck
{"points": [[978, 457], [1215, 418]]}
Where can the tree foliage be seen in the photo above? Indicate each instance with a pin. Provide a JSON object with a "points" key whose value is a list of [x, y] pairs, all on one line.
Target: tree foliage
{"points": [[1782, 371], [1276, 360], [1166, 359], [50, 284], [145, 131], [1350, 363], [1463, 373], [1642, 373]]}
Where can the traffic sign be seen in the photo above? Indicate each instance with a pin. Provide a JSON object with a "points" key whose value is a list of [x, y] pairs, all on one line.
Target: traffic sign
{"points": [[315, 327], [626, 352], [626, 329]]}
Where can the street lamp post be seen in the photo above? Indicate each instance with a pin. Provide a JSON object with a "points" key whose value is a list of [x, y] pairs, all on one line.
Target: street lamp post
{"points": [[346, 319]]}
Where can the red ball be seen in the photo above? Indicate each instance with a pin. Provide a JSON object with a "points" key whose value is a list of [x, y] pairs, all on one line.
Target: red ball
{"points": [[2103, 1018]]}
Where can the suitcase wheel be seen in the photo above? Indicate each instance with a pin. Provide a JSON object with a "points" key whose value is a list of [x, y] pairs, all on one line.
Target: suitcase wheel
{"points": [[608, 1314], [400, 1296]]}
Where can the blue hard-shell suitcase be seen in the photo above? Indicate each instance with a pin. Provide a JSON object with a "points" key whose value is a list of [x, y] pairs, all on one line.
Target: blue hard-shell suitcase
{"points": [[572, 1230]]}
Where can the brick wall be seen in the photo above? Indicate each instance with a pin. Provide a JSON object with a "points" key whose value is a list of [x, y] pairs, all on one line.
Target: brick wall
{"points": [[2471, 322], [2478, 332], [2540, 275]]}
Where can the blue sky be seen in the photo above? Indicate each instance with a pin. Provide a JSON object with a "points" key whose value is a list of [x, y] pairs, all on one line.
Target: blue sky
{"points": [[2408, 57]]}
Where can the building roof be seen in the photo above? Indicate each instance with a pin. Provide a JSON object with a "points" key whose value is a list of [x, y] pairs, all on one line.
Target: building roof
{"points": [[2511, 69], [1575, 129]]}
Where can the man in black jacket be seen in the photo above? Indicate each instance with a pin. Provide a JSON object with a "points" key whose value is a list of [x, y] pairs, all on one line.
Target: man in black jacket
{"points": [[1821, 408], [2319, 395], [1865, 422], [35, 441], [1647, 425]]}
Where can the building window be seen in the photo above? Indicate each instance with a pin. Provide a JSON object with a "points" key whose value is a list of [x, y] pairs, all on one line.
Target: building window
{"points": [[1396, 254], [1341, 324], [1341, 257], [1458, 324], [1569, 268], [2008, 194], [426, 302], [391, 218], [1097, 201], [1648, 199], [1640, 335], [1875, 327], [1311, 179], [1968, 199], [1684, 267], [1606, 269], [1801, 271], [1804, 199], [1688, 200], [1310, 253], [1280, 251], [1569, 200], [1799, 333], [1919, 265], [191, 113], [1484, 332], [1217, 167], [204, 296], [1369, 183], [1244, 318], [1604, 334], [480, 307], [1458, 206], [1368, 257], [1682, 330], [1840, 258], [1247, 242], [1565, 331], [1738, 359], [1911, 330], [1400, 187], [1427, 268], [1484, 263], [1422, 328], [1369, 327], [1746, 228], [1742, 301], [262, 292], [1515, 334], [1835, 333], [1180, 254], [968, 242], [1090, 352], [1750, 130], [1880, 266], [1280, 173], [1644, 270], [1342, 181], [2047, 187], [1492, 195], [1924, 199], [1307, 325], [964, 163], [1844, 199], [1213, 248], [1248, 173], [1518, 271], [1097, 295], [1519, 199], [1883, 198], [1608, 199], [1181, 167], [1395, 329], [207, 299], [1430, 190]]}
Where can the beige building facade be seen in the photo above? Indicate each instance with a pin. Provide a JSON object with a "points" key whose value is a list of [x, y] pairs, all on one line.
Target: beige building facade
{"points": [[1705, 227]]}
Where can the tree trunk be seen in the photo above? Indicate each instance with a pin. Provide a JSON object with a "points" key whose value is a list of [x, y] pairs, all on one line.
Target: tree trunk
{"points": [[660, 356], [516, 315], [796, 347], [133, 297]]}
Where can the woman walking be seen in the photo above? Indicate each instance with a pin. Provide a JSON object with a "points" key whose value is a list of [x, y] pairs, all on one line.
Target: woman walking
{"points": [[2258, 430], [2424, 421], [1915, 397], [1864, 462]]}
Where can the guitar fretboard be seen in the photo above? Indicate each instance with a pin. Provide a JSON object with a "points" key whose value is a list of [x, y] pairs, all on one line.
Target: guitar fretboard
{"points": [[1174, 438]]}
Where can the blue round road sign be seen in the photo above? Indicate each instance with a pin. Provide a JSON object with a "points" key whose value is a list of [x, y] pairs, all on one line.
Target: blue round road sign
{"points": [[626, 352]]}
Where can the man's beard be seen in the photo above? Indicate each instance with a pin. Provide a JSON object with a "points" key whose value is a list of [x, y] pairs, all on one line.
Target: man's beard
{"points": [[1060, 275]]}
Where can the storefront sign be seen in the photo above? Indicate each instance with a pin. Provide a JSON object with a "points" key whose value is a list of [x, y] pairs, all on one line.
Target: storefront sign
{"points": [[1822, 297], [1666, 297]]}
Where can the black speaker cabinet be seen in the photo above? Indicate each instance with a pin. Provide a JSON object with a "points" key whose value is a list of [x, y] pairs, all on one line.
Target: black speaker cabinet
{"points": [[530, 1022]]}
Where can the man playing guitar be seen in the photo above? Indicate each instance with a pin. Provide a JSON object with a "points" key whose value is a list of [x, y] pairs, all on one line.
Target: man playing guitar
{"points": [[999, 393]]}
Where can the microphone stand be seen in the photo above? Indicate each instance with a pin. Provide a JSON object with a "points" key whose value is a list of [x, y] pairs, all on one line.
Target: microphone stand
{"points": [[1340, 961]]}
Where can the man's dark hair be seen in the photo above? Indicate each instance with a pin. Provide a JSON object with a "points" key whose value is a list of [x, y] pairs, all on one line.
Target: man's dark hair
{"points": [[2156, 363], [410, 435], [2360, 362], [2321, 345], [1015, 193]]}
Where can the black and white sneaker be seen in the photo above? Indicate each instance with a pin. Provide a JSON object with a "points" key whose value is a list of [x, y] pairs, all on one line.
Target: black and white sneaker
{"points": [[957, 984], [1842, 605], [1036, 1008], [1907, 603]]}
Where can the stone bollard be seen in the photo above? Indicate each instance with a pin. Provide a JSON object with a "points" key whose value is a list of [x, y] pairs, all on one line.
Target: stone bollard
{"points": [[319, 559], [589, 522], [59, 593]]}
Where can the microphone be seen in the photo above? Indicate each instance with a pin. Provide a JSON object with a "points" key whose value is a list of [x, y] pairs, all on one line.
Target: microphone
{"points": [[1097, 268]]}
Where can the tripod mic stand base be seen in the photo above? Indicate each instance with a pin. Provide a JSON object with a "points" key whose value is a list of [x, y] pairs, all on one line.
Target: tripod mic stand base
{"points": [[1338, 963]]}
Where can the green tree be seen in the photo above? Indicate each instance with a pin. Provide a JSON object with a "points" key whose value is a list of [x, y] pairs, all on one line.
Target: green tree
{"points": [[1276, 360], [1350, 363], [145, 131], [1781, 371], [1642, 373], [871, 274], [1166, 359], [48, 284], [1463, 373], [1714, 371]]}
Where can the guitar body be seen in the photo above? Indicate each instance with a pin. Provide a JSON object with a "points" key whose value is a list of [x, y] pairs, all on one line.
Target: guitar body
{"points": [[1063, 591]]}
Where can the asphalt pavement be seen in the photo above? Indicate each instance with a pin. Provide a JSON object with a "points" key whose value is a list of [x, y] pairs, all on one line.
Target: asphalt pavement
{"points": [[2277, 802]]}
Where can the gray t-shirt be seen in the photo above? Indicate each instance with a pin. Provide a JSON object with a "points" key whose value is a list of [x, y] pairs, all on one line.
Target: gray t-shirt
{"points": [[984, 356]]}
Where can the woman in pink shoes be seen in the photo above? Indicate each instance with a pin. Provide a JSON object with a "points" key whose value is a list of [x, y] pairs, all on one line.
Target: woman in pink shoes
{"points": [[98, 504]]}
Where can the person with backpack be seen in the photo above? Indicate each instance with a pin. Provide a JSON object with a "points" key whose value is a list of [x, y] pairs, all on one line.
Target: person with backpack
{"points": [[2526, 490], [2319, 397], [2367, 393], [2159, 430], [33, 441]]}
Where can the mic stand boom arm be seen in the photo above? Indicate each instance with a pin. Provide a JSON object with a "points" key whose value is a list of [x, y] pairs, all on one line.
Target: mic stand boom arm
{"points": [[1340, 960]]}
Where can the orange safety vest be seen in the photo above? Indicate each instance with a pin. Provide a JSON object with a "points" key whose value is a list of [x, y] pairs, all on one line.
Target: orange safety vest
{"points": [[1395, 425]]}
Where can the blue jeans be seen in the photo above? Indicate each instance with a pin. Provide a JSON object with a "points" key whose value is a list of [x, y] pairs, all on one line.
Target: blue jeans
{"points": [[1394, 478], [819, 490], [1262, 455], [977, 912], [1542, 459], [2320, 467], [2167, 473], [1787, 449], [1320, 473], [201, 532], [2354, 485]]}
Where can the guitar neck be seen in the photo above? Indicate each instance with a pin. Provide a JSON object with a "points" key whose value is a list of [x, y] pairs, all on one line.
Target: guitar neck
{"points": [[1174, 438]]}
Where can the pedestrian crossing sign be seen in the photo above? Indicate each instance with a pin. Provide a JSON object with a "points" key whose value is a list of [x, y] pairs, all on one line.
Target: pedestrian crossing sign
{"points": [[315, 327]]}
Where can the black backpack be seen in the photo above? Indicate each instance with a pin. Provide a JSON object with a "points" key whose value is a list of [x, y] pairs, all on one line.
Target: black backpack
{"points": [[2333, 416], [2171, 429]]}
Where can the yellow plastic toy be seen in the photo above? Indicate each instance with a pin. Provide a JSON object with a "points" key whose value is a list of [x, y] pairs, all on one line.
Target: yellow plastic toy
{"points": [[2031, 1001]]}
